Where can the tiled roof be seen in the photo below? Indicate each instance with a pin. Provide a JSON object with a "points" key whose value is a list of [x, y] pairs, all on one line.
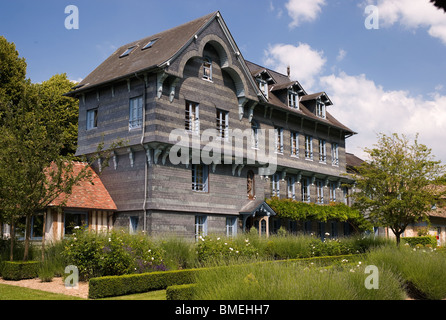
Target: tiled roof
{"points": [[87, 194]]}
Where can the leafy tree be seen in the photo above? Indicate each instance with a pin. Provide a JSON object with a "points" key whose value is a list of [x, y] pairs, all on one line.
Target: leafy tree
{"points": [[397, 186], [12, 73], [65, 110]]}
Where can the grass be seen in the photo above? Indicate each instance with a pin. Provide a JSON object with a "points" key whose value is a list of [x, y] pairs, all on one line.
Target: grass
{"points": [[422, 270], [8, 292], [151, 295], [274, 281]]}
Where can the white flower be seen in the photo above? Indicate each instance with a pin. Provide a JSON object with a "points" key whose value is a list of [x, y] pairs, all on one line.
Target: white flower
{"points": [[236, 251], [76, 227], [218, 238], [150, 250], [153, 258], [226, 243], [246, 240], [359, 262], [327, 234], [231, 249], [109, 239]]}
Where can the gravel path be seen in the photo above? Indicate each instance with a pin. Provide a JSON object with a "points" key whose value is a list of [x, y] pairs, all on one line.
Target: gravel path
{"points": [[56, 286]]}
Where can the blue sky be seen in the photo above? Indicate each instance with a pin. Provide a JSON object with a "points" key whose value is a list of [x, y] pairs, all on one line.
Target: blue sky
{"points": [[390, 79]]}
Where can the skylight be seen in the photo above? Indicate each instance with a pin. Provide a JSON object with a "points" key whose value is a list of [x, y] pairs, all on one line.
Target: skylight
{"points": [[127, 52], [150, 44]]}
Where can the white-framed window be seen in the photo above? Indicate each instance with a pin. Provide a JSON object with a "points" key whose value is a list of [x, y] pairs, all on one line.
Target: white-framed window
{"points": [[222, 124], [291, 189], [279, 139], [263, 86], [320, 109], [333, 187], [201, 226], [207, 69], [294, 144], [231, 226], [320, 192], [275, 185], [305, 189], [254, 135], [293, 99], [200, 173], [335, 154], [192, 117], [135, 118], [92, 119], [322, 151], [308, 147]]}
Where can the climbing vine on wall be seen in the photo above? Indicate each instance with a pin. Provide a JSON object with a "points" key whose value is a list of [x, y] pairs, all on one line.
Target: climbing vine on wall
{"points": [[302, 211]]}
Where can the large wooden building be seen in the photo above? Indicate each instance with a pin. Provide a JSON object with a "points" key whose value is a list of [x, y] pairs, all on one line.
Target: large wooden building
{"points": [[191, 79]]}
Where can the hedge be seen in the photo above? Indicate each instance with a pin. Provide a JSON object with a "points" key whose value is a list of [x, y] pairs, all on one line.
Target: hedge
{"points": [[424, 241], [19, 270], [181, 292], [111, 286]]}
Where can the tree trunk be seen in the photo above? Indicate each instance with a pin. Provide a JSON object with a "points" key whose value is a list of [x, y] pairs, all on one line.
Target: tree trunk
{"points": [[12, 236], [398, 239], [43, 236], [27, 236]]}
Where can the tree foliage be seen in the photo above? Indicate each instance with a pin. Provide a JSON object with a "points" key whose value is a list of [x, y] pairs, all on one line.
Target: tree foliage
{"points": [[397, 186]]}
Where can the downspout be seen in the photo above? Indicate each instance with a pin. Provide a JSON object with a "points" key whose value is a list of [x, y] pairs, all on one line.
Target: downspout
{"points": [[142, 144]]}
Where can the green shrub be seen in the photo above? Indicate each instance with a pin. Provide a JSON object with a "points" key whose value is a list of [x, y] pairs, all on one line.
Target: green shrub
{"points": [[181, 292], [423, 241], [115, 253], [136, 283], [18, 270]]}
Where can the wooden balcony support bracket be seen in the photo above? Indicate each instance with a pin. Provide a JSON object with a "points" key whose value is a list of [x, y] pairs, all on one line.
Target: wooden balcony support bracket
{"points": [[161, 76], [241, 107], [131, 157], [173, 87]]}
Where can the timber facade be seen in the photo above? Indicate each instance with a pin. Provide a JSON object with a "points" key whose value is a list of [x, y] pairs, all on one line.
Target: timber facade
{"points": [[194, 78]]}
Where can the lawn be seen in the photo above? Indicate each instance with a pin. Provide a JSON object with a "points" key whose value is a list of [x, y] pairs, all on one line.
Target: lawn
{"points": [[8, 292]]}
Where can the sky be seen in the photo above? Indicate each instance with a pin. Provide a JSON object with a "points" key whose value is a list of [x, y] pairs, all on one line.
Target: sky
{"points": [[381, 62]]}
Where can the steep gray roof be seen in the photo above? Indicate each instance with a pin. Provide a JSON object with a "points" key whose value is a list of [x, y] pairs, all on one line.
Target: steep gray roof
{"points": [[168, 44]]}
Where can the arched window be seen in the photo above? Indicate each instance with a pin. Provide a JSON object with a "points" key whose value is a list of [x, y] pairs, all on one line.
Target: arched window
{"points": [[250, 187], [207, 69]]}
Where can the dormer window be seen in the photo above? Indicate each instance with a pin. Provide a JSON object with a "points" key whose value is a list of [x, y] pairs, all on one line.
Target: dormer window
{"points": [[320, 109], [207, 69], [263, 86], [293, 99]]}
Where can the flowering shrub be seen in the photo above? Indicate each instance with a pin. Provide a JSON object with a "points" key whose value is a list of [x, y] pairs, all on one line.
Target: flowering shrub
{"points": [[115, 253], [229, 249]]}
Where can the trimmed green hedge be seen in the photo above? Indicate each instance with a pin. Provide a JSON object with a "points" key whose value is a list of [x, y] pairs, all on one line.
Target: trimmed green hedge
{"points": [[424, 241], [136, 283], [19, 270], [181, 292], [111, 286]]}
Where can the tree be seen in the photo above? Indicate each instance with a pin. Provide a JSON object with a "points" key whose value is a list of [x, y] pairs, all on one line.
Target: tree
{"points": [[12, 73], [440, 4], [65, 110], [32, 171], [395, 188]]}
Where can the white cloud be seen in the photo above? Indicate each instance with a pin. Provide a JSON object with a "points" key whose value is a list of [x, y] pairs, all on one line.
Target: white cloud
{"points": [[341, 55], [303, 10], [413, 15], [305, 63], [369, 109]]}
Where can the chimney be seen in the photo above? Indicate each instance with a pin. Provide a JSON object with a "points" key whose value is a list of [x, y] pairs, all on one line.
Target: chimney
{"points": [[288, 71]]}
